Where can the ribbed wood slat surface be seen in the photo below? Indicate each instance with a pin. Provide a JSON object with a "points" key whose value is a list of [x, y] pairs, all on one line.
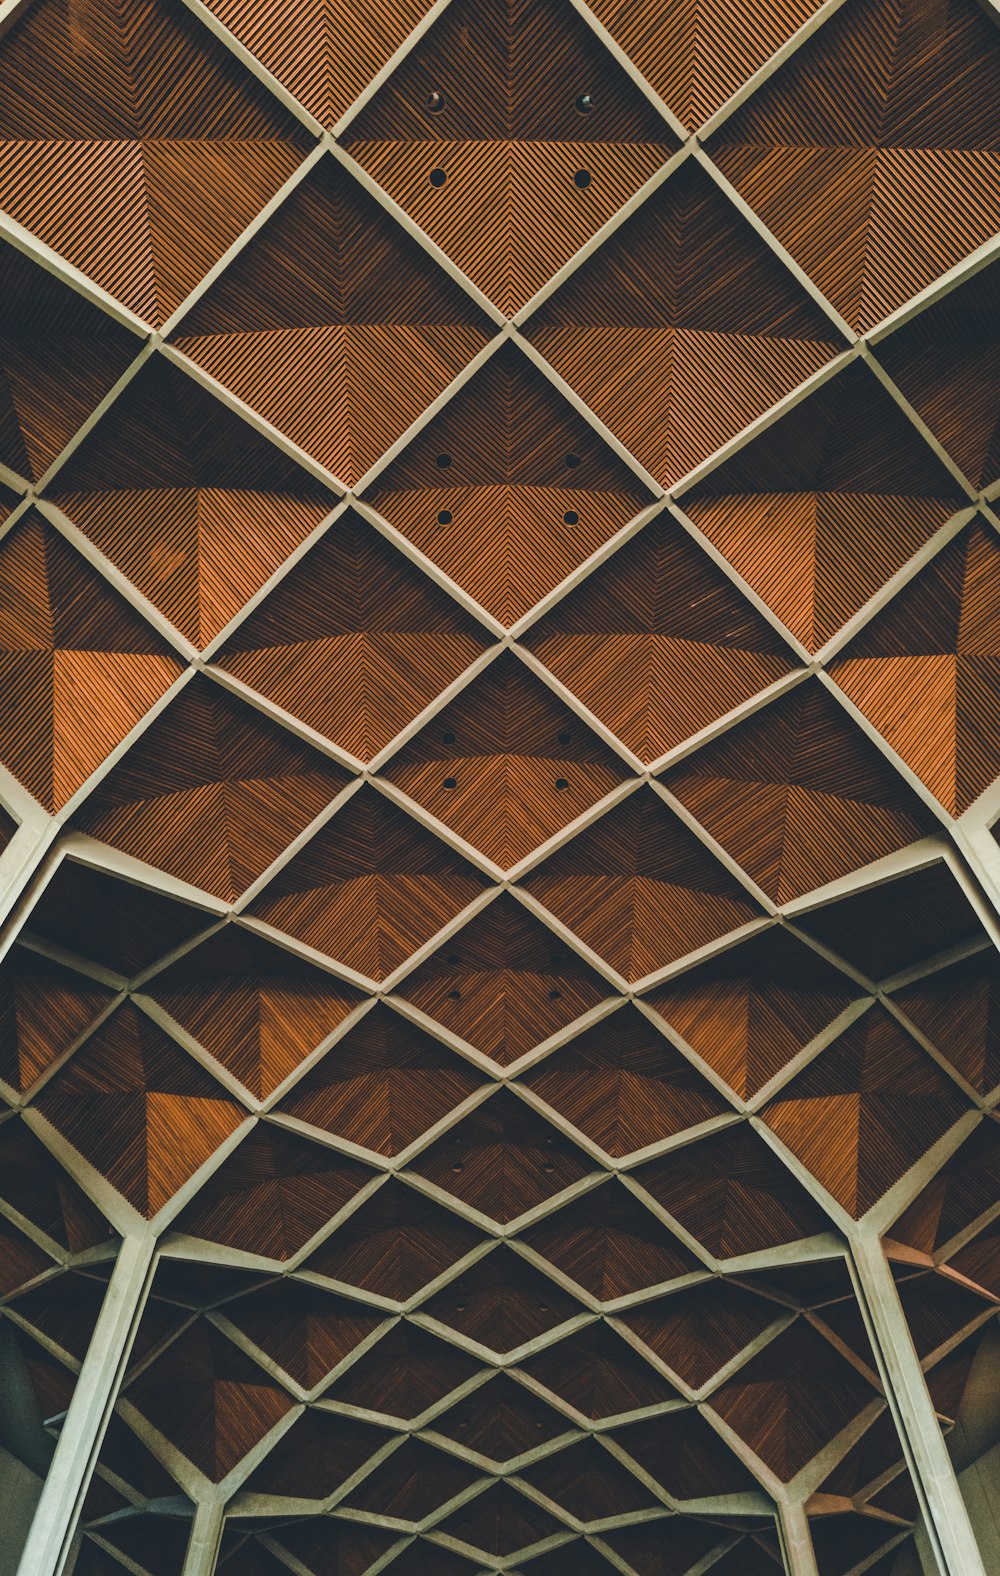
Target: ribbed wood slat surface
{"points": [[926, 671], [640, 889], [683, 328], [510, 139], [342, 356], [140, 1110], [135, 145], [385, 1084], [860, 1143], [448, 966], [272, 1194], [945, 363], [624, 1085], [44, 1009], [520, 768], [47, 393], [394, 1245], [749, 1011], [872, 154], [186, 499], [370, 887], [323, 53]]}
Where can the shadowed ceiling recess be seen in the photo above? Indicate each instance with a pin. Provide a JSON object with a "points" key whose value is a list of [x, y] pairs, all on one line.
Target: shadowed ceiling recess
{"points": [[499, 756]]}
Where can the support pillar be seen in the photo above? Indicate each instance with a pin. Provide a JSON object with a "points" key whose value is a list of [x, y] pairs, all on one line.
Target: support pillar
{"points": [[796, 1539], [206, 1535], [53, 1527], [946, 1518]]}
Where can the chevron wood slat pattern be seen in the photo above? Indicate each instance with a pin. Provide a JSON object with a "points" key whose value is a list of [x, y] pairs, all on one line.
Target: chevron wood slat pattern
{"points": [[272, 1194], [944, 361], [407, 1371], [341, 358], [370, 888], [732, 1193], [699, 1331], [204, 819], [305, 1331], [353, 641], [178, 163], [768, 791], [640, 889], [386, 1083], [955, 1009], [777, 1413], [657, 643], [152, 1095], [823, 507], [507, 765], [497, 776], [936, 647], [863, 1142], [504, 983], [508, 518], [256, 1008], [695, 56], [186, 499], [208, 1396], [510, 140], [60, 355], [45, 1009], [394, 1244], [750, 1010], [609, 1244], [676, 354], [502, 1159], [624, 1085], [324, 54], [857, 154]]}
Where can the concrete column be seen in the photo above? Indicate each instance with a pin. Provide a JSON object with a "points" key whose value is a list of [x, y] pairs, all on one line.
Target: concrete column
{"points": [[53, 1527], [206, 1535], [949, 1530]]}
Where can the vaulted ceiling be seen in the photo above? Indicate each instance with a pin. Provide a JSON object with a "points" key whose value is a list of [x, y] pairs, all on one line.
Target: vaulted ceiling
{"points": [[499, 752]]}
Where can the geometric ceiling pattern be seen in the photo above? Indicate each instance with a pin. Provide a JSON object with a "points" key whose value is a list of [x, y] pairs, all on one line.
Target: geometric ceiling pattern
{"points": [[500, 677]]}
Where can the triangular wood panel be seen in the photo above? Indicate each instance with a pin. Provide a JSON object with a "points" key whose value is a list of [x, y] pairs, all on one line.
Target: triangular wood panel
{"points": [[343, 358], [511, 140], [79, 669], [498, 780], [509, 489], [115, 137]]}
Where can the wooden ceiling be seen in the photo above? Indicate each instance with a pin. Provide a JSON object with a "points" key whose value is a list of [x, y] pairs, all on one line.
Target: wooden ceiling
{"points": [[499, 760]]}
